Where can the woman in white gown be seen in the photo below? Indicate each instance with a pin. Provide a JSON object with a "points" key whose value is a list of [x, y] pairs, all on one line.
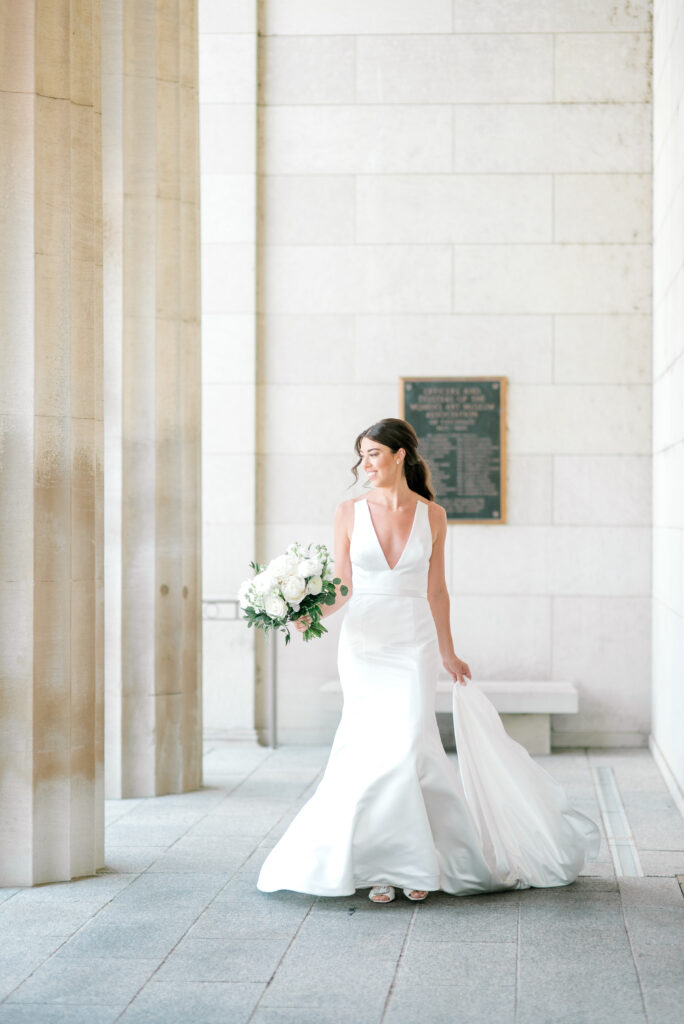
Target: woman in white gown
{"points": [[391, 809]]}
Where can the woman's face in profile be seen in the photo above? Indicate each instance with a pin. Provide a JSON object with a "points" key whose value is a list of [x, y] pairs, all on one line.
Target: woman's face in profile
{"points": [[378, 462]]}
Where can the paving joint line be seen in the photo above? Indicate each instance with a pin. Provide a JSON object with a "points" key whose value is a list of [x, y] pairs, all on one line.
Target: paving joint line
{"points": [[517, 963], [633, 956], [214, 897], [219, 803], [404, 944], [69, 937], [287, 950]]}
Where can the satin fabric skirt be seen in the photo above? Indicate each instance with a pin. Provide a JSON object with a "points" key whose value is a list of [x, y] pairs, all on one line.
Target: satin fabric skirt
{"points": [[390, 808]]}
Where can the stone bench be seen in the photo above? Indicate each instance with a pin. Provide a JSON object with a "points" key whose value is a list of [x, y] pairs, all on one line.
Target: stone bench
{"points": [[525, 707]]}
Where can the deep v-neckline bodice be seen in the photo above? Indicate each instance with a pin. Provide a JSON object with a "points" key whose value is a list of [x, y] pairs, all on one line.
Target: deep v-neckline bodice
{"points": [[391, 568]]}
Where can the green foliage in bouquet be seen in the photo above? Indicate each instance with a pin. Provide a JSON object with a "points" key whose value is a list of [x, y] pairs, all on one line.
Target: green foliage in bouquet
{"points": [[277, 609]]}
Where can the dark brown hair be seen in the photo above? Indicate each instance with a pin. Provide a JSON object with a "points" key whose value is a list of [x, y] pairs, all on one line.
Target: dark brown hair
{"points": [[396, 434]]}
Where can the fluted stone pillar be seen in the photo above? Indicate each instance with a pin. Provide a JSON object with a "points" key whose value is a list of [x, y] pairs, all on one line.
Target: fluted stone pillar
{"points": [[152, 397], [51, 548]]}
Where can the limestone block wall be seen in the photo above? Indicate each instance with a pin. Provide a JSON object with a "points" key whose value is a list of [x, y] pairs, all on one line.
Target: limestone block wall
{"points": [[51, 493], [668, 388], [228, 122], [443, 189], [454, 189]]}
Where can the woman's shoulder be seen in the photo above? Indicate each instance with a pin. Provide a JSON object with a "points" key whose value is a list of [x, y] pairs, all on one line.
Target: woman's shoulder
{"points": [[433, 507], [436, 513], [345, 509]]}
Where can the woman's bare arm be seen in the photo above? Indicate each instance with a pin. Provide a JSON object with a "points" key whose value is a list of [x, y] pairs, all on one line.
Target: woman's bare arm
{"points": [[344, 521], [438, 596]]}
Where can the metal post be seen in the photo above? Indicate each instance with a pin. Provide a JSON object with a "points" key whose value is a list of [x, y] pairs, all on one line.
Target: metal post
{"points": [[274, 689]]}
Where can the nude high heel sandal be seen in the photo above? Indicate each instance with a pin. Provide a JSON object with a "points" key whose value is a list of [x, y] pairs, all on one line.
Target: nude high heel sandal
{"points": [[416, 899], [381, 894]]}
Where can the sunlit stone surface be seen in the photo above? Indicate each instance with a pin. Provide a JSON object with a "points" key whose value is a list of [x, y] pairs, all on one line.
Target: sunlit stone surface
{"points": [[51, 499], [152, 397]]}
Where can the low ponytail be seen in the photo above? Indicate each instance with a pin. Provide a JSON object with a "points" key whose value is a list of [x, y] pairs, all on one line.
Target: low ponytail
{"points": [[418, 477], [396, 434]]}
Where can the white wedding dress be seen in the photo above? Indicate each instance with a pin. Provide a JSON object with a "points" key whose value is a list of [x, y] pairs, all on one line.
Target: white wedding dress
{"points": [[391, 807]]}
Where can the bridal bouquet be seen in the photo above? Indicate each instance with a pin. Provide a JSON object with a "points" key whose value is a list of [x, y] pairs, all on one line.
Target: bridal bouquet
{"points": [[292, 585]]}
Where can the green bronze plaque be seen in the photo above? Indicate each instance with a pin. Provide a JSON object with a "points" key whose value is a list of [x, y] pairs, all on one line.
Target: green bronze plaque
{"points": [[461, 428]]}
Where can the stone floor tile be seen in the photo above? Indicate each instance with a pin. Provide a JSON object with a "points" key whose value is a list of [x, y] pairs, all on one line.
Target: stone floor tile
{"points": [[194, 802], [235, 758], [487, 918], [23, 919], [199, 854], [602, 867], [661, 974], [313, 1015], [20, 957], [247, 875], [281, 827], [123, 833], [94, 891], [99, 982], [637, 799], [319, 944], [341, 979], [355, 922], [250, 822], [412, 1002], [37, 1013], [13, 944], [586, 885], [654, 914], [271, 785], [147, 938], [14, 972], [167, 891], [662, 862], [202, 917], [252, 914], [490, 964], [193, 1003], [131, 860], [655, 829], [661, 892], [115, 809], [595, 988], [237, 959]]}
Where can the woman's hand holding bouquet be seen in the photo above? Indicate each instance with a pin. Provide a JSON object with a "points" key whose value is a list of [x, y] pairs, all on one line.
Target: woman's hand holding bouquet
{"points": [[295, 585]]}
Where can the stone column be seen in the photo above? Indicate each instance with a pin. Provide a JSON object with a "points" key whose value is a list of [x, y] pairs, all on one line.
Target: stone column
{"points": [[51, 547], [152, 397]]}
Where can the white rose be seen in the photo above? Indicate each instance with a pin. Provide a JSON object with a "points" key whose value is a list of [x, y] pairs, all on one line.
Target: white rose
{"points": [[294, 589], [310, 567], [264, 582], [315, 585], [283, 565], [275, 606]]}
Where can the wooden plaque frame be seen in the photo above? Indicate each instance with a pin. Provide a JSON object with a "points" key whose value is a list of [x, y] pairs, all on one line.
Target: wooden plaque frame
{"points": [[501, 439]]}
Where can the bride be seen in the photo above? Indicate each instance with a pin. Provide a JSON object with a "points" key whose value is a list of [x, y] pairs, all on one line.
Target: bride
{"points": [[391, 809]]}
